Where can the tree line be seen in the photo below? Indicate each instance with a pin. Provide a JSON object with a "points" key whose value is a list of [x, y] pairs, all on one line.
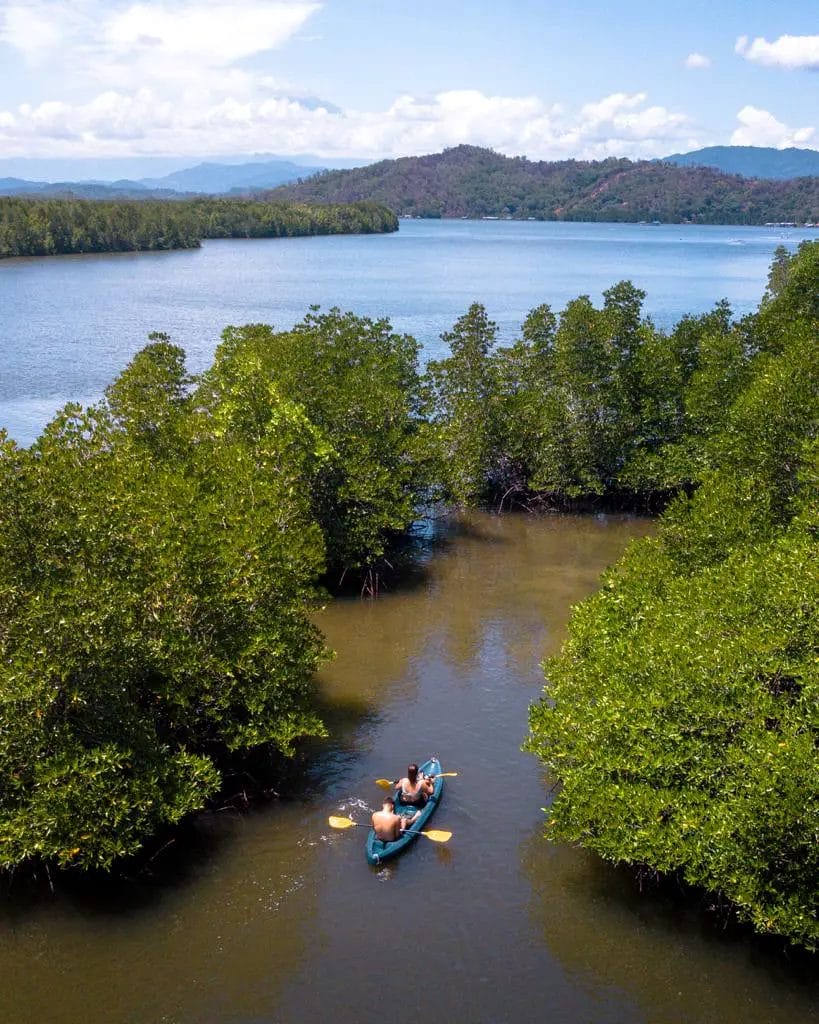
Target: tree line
{"points": [[46, 227], [161, 553], [681, 719]]}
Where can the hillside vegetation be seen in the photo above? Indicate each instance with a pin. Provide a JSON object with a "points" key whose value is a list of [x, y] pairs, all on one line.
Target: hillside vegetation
{"points": [[468, 181]]}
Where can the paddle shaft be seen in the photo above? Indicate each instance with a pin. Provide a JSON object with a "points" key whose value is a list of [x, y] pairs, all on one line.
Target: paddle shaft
{"points": [[436, 835], [390, 784]]}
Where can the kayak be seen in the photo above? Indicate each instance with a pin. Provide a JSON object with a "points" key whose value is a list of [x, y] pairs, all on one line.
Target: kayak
{"points": [[378, 851]]}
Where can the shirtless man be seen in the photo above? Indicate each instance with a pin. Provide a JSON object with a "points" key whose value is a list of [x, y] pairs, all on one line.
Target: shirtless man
{"points": [[415, 788], [388, 825]]}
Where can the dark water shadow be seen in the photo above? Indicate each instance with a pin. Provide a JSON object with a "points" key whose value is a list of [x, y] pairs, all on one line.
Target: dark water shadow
{"points": [[170, 861], [409, 563], [672, 948], [176, 857]]}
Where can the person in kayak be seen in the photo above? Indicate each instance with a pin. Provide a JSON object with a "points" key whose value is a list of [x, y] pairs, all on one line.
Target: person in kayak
{"points": [[388, 825], [415, 788]]}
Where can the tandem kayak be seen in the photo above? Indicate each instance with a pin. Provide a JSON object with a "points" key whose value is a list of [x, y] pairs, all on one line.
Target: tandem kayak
{"points": [[378, 851]]}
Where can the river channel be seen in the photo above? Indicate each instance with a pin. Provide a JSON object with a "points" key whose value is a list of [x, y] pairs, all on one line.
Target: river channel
{"points": [[271, 917]]}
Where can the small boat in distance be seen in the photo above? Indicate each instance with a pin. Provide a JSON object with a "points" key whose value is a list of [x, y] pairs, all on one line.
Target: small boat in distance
{"points": [[378, 851]]}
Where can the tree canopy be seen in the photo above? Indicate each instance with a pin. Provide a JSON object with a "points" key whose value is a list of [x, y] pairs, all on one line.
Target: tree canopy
{"points": [[682, 717], [160, 557], [47, 227], [357, 381], [157, 572]]}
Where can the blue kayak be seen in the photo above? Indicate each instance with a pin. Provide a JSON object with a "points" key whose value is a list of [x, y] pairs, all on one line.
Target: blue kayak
{"points": [[378, 851]]}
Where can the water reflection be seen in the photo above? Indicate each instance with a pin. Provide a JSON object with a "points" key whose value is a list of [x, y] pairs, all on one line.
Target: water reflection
{"points": [[660, 947]]}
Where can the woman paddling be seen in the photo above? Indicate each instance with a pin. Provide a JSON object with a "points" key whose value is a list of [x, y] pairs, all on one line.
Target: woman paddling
{"points": [[415, 788]]}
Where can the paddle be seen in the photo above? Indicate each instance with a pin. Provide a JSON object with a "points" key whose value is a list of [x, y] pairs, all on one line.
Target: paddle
{"points": [[387, 784], [437, 835]]}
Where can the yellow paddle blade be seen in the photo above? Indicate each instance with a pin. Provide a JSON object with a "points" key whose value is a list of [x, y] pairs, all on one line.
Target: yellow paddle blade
{"points": [[446, 775], [437, 835], [384, 783], [341, 822]]}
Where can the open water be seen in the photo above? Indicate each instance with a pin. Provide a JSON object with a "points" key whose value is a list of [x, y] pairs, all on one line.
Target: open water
{"points": [[70, 324]]}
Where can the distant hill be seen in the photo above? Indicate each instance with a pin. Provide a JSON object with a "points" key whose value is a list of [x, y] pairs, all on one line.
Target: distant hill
{"points": [[137, 168], [468, 181], [18, 186], [216, 179], [203, 179], [752, 161], [83, 190]]}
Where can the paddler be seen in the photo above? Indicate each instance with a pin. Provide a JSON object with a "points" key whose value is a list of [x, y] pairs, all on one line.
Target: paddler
{"points": [[415, 788], [388, 825]]}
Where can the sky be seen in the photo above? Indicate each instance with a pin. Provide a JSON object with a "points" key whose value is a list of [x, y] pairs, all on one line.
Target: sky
{"points": [[368, 79]]}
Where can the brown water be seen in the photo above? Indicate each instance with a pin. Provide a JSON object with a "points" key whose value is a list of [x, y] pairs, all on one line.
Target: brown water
{"points": [[273, 917]]}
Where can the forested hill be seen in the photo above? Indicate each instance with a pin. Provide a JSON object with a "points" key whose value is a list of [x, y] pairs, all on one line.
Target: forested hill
{"points": [[468, 181]]}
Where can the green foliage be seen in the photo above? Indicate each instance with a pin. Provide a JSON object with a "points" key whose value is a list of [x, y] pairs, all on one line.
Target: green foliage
{"points": [[250, 218], [599, 403], [791, 298], [594, 393], [45, 227], [159, 559], [461, 392], [688, 381], [682, 720], [596, 402], [682, 717], [149, 398], [357, 382], [525, 424], [156, 577]]}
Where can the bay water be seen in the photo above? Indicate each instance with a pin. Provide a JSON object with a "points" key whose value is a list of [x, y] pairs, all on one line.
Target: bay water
{"points": [[70, 324]]}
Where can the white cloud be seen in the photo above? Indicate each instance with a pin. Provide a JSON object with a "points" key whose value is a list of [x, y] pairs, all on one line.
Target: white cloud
{"points": [[175, 77], [610, 107], [208, 32], [697, 61], [124, 43], [35, 28], [229, 115], [761, 128], [790, 52]]}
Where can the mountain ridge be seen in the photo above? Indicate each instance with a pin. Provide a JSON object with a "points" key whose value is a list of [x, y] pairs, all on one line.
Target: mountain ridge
{"points": [[752, 161], [470, 181], [218, 178], [207, 178]]}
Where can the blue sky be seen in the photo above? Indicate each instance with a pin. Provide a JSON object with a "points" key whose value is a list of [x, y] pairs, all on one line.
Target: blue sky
{"points": [[374, 78]]}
